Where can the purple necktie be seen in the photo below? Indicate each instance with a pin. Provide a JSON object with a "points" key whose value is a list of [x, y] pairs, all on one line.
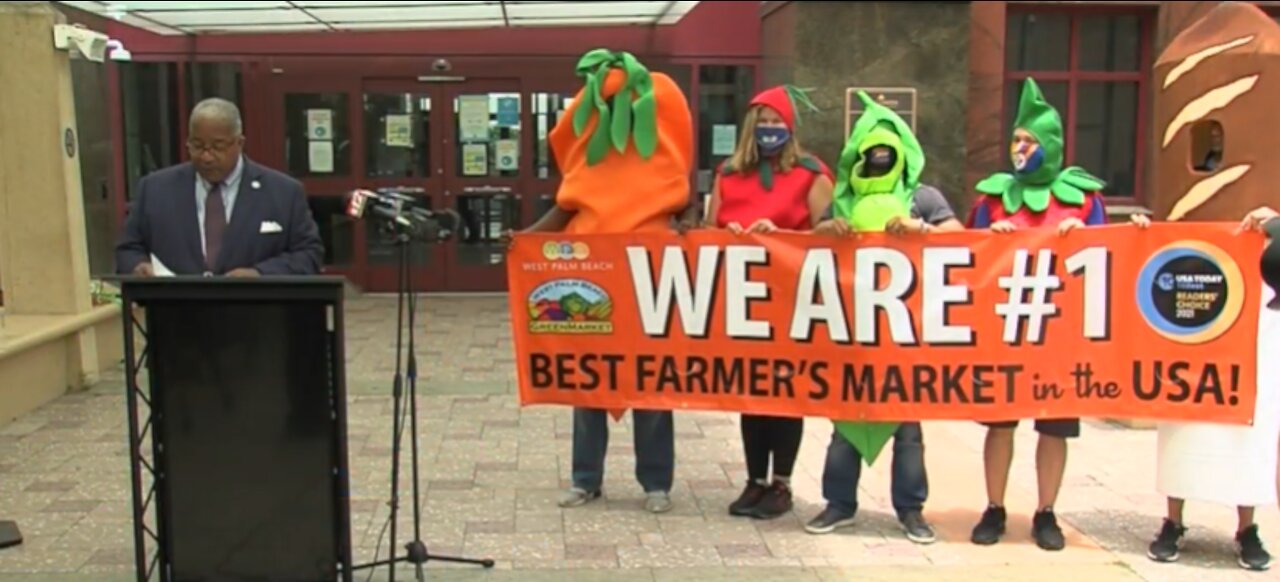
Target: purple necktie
{"points": [[215, 223]]}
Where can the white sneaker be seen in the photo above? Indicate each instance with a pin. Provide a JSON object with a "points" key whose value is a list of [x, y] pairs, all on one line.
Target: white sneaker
{"points": [[576, 497], [658, 502]]}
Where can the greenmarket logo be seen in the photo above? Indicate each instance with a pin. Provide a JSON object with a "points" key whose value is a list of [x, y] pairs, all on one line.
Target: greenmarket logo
{"points": [[570, 306]]}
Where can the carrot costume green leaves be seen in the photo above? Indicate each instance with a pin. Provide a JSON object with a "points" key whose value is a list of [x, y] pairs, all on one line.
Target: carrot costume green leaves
{"points": [[633, 112]]}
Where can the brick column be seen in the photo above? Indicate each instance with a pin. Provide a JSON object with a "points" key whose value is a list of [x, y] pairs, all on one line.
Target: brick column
{"points": [[984, 142]]}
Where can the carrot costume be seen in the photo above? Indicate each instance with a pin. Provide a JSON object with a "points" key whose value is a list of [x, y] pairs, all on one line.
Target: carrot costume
{"points": [[625, 152], [624, 147]]}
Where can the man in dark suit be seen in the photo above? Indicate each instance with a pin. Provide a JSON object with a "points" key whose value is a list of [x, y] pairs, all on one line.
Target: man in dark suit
{"points": [[219, 214]]}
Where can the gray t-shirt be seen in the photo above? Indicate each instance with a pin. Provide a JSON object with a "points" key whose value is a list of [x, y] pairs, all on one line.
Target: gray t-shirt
{"points": [[927, 204]]}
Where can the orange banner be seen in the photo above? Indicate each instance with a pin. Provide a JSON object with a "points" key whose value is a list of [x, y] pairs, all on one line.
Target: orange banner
{"points": [[1112, 322]]}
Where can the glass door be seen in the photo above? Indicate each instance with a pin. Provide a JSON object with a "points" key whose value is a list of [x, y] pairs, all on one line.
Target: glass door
{"points": [[547, 108], [312, 139], [403, 139], [485, 159]]}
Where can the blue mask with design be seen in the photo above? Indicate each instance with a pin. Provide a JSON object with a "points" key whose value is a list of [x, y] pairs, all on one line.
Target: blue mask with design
{"points": [[1027, 158], [770, 139]]}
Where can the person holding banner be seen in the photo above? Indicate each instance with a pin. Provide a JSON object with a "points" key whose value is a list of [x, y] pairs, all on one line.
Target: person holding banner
{"points": [[879, 188], [625, 151], [1039, 193], [1226, 464], [769, 183]]}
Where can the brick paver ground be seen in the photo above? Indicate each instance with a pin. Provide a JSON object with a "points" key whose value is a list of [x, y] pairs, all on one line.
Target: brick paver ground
{"points": [[492, 472]]}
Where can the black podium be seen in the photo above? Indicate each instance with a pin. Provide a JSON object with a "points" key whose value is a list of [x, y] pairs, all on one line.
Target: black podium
{"points": [[238, 435]]}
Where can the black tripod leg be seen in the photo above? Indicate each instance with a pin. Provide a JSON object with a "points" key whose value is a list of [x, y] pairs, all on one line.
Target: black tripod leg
{"points": [[456, 560], [397, 396], [9, 534], [416, 549]]}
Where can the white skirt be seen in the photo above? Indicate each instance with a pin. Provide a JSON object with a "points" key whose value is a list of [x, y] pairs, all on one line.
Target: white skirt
{"points": [[1227, 464]]}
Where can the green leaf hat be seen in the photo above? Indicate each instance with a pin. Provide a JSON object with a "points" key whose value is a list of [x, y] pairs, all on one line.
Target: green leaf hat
{"points": [[1034, 189]]}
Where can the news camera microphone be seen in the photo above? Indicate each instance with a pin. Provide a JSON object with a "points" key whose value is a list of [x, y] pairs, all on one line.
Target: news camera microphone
{"points": [[362, 201], [394, 210]]}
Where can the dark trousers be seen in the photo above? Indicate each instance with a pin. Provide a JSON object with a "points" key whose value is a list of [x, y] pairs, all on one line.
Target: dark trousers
{"points": [[910, 482], [764, 437]]}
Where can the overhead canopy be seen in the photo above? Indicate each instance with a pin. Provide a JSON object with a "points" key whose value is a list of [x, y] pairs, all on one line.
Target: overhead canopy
{"points": [[175, 18]]}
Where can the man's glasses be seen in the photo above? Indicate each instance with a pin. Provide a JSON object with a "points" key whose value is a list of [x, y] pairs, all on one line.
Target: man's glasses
{"points": [[217, 147]]}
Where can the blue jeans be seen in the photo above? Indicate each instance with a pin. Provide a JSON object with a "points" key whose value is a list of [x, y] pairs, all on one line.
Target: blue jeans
{"points": [[655, 443], [910, 482]]}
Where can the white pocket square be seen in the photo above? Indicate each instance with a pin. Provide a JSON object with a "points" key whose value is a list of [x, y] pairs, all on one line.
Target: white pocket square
{"points": [[269, 227]]}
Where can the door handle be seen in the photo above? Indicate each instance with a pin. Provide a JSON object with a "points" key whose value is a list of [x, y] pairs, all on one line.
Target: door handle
{"points": [[487, 190], [402, 190]]}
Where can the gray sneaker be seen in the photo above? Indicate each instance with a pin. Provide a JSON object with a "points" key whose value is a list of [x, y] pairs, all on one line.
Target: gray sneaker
{"points": [[575, 497], [658, 502], [828, 521], [918, 530]]}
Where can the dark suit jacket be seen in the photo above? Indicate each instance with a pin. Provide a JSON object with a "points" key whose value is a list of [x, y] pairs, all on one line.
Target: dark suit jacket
{"points": [[163, 221]]}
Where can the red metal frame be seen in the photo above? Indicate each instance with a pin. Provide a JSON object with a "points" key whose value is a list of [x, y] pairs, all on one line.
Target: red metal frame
{"points": [[1073, 76], [711, 30], [272, 145], [463, 277], [384, 278]]}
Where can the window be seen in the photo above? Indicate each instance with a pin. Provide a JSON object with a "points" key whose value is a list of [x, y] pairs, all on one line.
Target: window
{"points": [[149, 99], [93, 133], [205, 80], [1208, 143], [723, 94], [1092, 66], [317, 138]]}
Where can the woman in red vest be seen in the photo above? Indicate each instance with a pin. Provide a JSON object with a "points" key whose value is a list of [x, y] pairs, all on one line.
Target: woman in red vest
{"points": [[769, 184]]}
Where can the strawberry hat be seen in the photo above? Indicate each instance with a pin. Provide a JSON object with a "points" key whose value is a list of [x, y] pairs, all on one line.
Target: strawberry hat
{"points": [[783, 99]]}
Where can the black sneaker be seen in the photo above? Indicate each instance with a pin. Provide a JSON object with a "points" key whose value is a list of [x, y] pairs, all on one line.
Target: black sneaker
{"points": [[918, 530], [1249, 551], [775, 502], [1168, 543], [828, 521], [746, 503], [991, 527], [1044, 528]]}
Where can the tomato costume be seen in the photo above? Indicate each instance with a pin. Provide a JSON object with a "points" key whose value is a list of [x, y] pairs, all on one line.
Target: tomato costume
{"points": [[767, 192], [1041, 192]]}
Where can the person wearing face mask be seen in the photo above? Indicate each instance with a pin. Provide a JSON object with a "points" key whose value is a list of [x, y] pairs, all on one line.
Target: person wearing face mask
{"points": [[769, 184], [1225, 464], [1039, 193], [879, 189]]}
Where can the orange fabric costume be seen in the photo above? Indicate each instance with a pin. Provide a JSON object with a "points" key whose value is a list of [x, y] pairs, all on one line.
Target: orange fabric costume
{"points": [[623, 189], [633, 174]]}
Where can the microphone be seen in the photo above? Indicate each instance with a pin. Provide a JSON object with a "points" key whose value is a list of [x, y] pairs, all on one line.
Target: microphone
{"points": [[396, 213], [362, 201]]}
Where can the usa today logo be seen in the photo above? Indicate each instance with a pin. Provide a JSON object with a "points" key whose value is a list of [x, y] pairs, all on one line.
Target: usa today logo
{"points": [[1190, 292]]}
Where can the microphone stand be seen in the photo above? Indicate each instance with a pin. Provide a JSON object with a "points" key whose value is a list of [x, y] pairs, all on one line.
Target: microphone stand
{"points": [[416, 550]]}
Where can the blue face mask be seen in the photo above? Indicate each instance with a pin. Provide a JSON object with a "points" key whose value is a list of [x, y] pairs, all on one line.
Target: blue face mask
{"points": [[1028, 159], [770, 139]]}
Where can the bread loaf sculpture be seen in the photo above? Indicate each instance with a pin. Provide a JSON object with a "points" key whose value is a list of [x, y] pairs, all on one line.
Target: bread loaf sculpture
{"points": [[1221, 73]]}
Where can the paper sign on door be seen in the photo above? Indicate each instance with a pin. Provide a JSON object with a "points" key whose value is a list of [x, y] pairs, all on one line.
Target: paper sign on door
{"points": [[475, 159], [508, 152]]}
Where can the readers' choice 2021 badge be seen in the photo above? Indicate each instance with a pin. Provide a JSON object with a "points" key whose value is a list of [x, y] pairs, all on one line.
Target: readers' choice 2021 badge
{"points": [[1190, 292]]}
